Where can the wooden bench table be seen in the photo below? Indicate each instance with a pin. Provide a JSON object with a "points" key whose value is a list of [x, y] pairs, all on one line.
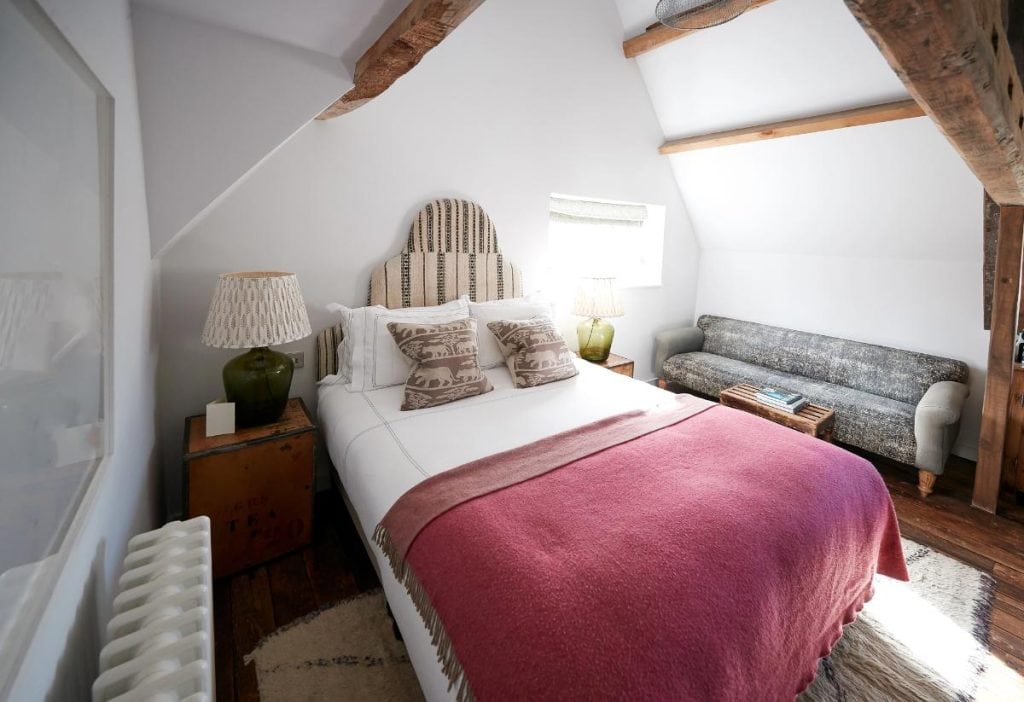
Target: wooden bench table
{"points": [[813, 419]]}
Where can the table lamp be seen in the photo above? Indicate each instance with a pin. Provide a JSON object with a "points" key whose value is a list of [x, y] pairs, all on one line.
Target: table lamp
{"points": [[255, 310], [597, 299]]}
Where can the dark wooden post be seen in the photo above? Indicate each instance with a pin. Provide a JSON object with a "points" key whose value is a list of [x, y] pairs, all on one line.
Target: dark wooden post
{"points": [[1000, 359], [991, 237]]}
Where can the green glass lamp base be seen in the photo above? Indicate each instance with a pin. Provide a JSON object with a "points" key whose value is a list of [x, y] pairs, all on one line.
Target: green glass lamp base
{"points": [[258, 383], [595, 339]]}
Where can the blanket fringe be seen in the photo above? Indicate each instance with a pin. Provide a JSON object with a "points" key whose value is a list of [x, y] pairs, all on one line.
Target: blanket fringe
{"points": [[438, 634]]}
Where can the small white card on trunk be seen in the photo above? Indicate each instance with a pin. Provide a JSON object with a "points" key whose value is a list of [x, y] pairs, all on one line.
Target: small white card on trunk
{"points": [[220, 418]]}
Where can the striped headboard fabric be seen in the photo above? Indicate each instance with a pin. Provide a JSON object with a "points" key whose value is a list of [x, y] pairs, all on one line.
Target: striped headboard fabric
{"points": [[452, 251], [456, 226], [327, 343]]}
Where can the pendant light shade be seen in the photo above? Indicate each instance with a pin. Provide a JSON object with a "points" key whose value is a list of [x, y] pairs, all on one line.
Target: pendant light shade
{"points": [[699, 14]]}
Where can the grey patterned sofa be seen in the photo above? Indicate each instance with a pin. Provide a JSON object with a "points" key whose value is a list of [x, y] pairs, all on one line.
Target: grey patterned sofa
{"points": [[898, 404]]}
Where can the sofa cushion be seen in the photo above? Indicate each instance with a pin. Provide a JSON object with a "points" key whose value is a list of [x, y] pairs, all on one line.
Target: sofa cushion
{"points": [[874, 423], [893, 373]]}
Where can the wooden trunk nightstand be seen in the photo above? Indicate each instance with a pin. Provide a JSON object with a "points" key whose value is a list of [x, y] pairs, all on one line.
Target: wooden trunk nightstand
{"points": [[617, 364], [255, 485]]}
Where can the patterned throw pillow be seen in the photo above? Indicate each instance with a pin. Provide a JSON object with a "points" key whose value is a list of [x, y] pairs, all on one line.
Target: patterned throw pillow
{"points": [[503, 310], [445, 367], [534, 351]]}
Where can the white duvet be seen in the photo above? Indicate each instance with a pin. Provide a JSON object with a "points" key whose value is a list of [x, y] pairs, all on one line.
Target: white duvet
{"points": [[380, 452]]}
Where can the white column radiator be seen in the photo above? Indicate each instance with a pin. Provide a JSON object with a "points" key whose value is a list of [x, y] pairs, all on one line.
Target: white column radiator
{"points": [[161, 633]]}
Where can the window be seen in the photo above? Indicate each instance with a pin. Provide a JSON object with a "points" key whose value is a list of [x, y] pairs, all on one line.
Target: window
{"points": [[589, 237], [56, 148]]}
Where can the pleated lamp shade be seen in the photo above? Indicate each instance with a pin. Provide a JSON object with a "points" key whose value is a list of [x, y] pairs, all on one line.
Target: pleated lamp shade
{"points": [[597, 298], [255, 309]]}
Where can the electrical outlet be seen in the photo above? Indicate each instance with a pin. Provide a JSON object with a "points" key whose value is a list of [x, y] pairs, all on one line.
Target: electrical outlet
{"points": [[298, 358]]}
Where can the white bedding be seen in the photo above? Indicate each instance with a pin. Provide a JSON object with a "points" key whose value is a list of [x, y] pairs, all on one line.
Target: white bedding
{"points": [[380, 452]]}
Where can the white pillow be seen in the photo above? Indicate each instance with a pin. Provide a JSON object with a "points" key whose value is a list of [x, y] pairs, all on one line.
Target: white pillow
{"points": [[344, 359], [498, 310], [376, 360]]}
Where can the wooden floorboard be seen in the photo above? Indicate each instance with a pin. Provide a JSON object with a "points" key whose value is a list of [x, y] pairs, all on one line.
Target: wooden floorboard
{"points": [[329, 574], [252, 615], [224, 641], [1011, 581], [1005, 643], [291, 591], [1008, 621], [1009, 603], [250, 605]]}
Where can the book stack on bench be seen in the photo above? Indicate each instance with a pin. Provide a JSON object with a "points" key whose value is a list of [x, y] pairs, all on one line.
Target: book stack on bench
{"points": [[791, 402]]}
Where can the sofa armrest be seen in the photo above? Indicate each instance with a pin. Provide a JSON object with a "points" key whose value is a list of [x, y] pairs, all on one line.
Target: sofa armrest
{"points": [[668, 343], [937, 422], [942, 404]]}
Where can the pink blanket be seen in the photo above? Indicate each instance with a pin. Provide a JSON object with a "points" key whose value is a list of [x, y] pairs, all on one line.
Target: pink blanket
{"points": [[713, 557]]}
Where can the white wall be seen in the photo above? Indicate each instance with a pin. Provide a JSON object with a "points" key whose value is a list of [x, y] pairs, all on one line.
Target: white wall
{"points": [[214, 102], [882, 225], [509, 109], [60, 663]]}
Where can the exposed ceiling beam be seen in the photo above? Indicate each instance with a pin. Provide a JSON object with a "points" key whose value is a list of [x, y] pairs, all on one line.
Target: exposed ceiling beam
{"points": [[422, 25], [658, 35], [955, 60], [1013, 24], [904, 109]]}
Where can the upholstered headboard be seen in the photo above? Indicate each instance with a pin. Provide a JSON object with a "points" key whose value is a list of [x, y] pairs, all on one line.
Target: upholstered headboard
{"points": [[452, 251]]}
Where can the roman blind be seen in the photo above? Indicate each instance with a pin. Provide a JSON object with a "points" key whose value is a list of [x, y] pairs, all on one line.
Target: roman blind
{"points": [[573, 211]]}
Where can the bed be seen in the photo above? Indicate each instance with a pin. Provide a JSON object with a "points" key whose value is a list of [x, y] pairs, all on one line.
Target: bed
{"points": [[381, 454]]}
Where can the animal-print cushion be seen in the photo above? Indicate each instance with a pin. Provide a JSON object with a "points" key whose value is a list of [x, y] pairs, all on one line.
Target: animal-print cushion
{"points": [[534, 351], [446, 364]]}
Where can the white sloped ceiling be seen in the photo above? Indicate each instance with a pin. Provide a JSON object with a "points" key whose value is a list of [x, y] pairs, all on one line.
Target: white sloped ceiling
{"points": [[223, 84], [791, 58]]}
